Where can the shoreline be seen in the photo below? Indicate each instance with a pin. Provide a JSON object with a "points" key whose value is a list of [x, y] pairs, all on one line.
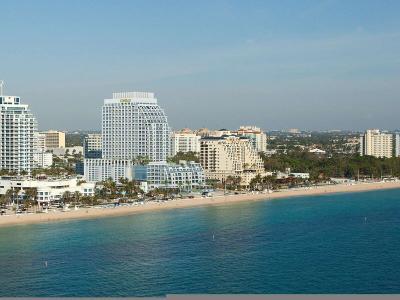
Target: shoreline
{"points": [[90, 213]]}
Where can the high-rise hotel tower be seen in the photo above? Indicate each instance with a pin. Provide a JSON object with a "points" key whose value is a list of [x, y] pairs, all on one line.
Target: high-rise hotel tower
{"points": [[134, 125], [17, 135]]}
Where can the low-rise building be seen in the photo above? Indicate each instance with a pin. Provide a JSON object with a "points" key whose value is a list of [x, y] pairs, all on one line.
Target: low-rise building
{"points": [[68, 150], [101, 169], [287, 173], [185, 175], [317, 151], [47, 189], [342, 180], [300, 175]]}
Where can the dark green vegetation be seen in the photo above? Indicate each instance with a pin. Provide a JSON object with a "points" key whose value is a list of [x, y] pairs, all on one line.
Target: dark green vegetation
{"points": [[74, 139], [337, 165], [189, 156], [331, 142]]}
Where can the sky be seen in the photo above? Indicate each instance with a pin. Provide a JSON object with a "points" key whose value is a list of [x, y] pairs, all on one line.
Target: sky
{"points": [[313, 65]]}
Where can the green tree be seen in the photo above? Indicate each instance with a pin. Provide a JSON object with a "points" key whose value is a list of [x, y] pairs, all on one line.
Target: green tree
{"points": [[187, 156], [141, 160], [30, 197], [233, 182], [111, 187], [66, 197], [76, 197]]}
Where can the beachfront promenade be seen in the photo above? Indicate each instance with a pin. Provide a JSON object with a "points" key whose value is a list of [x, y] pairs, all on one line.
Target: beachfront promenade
{"points": [[98, 212]]}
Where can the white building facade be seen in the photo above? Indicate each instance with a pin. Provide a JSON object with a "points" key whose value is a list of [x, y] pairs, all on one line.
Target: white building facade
{"points": [[40, 141], [18, 129], [48, 190], [43, 159], [184, 176], [133, 125], [185, 141], [102, 169]]}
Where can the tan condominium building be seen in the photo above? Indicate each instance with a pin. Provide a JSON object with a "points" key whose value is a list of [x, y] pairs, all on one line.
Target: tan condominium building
{"points": [[184, 141], [375, 143], [54, 139], [226, 156]]}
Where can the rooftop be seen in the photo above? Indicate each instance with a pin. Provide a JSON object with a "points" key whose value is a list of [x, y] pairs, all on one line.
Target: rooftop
{"points": [[131, 97]]}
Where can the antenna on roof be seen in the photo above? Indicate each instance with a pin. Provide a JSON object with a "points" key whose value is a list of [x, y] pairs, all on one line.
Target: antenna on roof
{"points": [[1, 87]]}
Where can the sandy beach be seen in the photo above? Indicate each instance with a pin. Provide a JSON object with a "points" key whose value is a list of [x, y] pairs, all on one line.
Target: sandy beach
{"points": [[86, 213]]}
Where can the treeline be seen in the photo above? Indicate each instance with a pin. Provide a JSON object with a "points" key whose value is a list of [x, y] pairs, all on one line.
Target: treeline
{"points": [[339, 165]]}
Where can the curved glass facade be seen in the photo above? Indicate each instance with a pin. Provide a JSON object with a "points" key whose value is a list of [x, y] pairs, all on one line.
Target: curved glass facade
{"points": [[134, 125]]}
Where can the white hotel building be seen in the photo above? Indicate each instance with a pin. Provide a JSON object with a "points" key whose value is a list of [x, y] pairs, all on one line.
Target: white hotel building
{"points": [[133, 125], [18, 129]]}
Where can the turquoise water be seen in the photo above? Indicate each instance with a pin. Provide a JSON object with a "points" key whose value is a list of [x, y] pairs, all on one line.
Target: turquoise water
{"points": [[320, 244]]}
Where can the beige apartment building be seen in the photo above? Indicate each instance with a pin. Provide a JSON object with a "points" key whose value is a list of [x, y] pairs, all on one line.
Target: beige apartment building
{"points": [[226, 156], [54, 139], [376, 144]]}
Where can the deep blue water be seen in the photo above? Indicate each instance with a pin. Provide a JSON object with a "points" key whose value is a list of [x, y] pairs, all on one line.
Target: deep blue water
{"points": [[319, 244]]}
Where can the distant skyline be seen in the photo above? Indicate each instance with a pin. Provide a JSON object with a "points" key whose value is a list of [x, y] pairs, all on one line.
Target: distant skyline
{"points": [[312, 65]]}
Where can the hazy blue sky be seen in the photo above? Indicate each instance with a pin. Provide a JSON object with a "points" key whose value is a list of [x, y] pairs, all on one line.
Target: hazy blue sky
{"points": [[276, 64]]}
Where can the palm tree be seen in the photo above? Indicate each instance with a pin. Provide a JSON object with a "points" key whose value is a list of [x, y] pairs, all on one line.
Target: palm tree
{"points": [[132, 188], [66, 197], [233, 182], [77, 196], [3, 200], [189, 185], [269, 182], [256, 182], [9, 196], [110, 187], [30, 197]]}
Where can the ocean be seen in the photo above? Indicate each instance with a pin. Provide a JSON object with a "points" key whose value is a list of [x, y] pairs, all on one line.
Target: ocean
{"points": [[339, 243]]}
